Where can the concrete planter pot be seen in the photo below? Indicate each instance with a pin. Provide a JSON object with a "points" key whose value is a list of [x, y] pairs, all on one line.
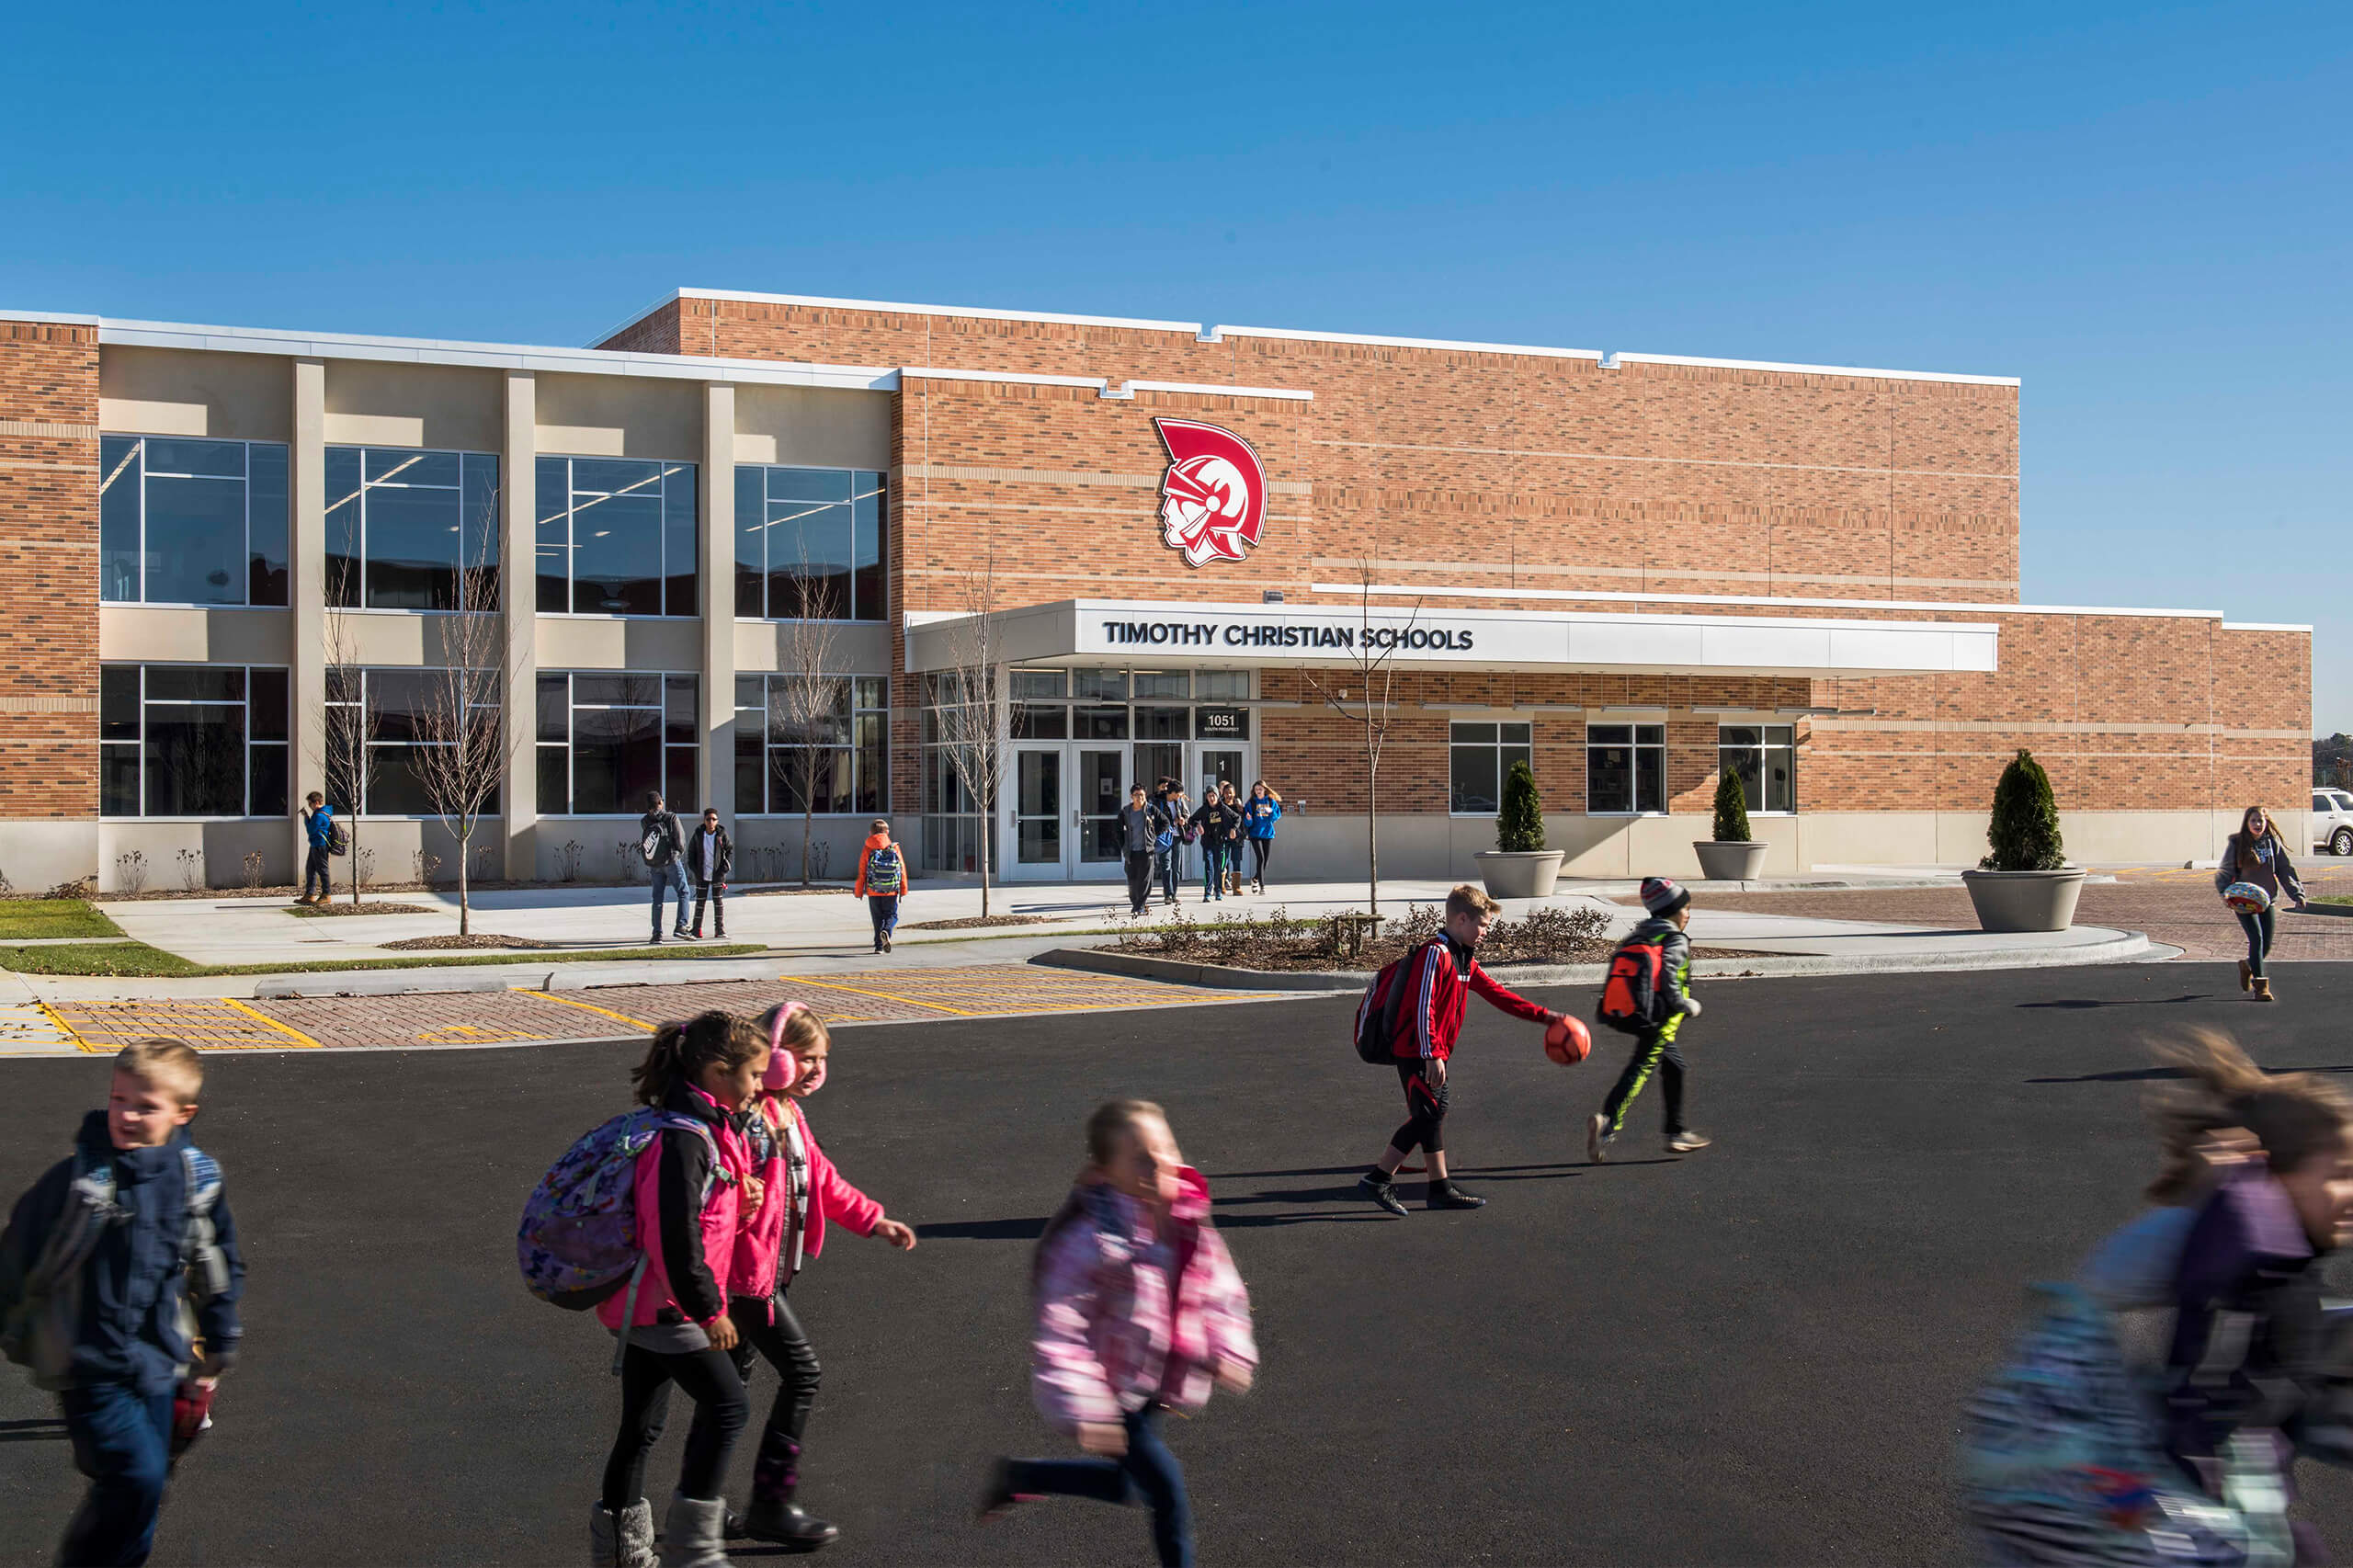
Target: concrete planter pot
{"points": [[1521, 873], [1730, 861], [2025, 901]]}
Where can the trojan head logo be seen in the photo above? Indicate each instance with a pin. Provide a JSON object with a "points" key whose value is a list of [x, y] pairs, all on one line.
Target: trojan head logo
{"points": [[1214, 500]]}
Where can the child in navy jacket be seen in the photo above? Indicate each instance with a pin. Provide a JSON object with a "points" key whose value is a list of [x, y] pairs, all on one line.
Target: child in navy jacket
{"points": [[100, 1264]]}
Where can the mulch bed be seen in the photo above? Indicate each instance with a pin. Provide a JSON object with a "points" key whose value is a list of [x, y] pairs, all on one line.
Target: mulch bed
{"points": [[974, 922], [1281, 943], [326, 911], [479, 939]]}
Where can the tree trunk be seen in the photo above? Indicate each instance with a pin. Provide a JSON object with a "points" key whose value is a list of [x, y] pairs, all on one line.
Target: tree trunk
{"points": [[808, 811], [465, 910], [984, 866], [354, 848], [1372, 836]]}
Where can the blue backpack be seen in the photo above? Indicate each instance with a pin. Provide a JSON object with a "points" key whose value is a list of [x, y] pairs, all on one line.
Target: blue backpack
{"points": [[886, 874]]}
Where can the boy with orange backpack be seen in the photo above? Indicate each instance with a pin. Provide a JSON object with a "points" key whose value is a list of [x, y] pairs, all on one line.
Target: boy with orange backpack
{"points": [[1647, 994]]}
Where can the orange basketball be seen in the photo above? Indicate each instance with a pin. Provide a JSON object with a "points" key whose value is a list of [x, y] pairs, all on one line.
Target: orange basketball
{"points": [[1568, 1042]]}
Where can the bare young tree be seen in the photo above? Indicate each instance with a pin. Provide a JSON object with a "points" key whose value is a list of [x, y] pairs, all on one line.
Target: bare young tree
{"points": [[1371, 673], [807, 703], [348, 724], [975, 716], [464, 738]]}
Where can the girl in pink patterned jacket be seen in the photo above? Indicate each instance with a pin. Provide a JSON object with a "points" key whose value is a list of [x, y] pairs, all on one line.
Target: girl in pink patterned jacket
{"points": [[1140, 1309]]}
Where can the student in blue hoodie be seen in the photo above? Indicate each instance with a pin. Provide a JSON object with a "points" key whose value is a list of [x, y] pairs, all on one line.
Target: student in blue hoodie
{"points": [[97, 1263], [1260, 814]]}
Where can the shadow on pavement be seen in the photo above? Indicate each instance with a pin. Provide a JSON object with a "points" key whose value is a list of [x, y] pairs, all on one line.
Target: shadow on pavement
{"points": [[985, 1230], [2076, 1002]]}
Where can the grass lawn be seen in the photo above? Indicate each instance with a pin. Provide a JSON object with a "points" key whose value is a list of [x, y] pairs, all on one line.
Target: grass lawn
{"points": [[2334, 898], [31, 919], [138, 958]]}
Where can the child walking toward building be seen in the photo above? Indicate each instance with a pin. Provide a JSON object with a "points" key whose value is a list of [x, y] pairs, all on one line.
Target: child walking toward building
{"points": [[882, 881], [1429, 1020], [1662, 1012], [1140, 1309], [690, 1187], [800, 1193], [98, 1261]]}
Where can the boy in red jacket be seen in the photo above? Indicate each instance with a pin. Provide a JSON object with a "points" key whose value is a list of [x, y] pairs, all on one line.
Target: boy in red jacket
{"points": [[1429, 1021]]}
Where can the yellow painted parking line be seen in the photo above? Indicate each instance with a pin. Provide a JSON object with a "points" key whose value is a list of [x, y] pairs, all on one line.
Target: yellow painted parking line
{"points": [[70, 1032], [470, 1034], [296, 1035], [879, 995], [591, 1006]]}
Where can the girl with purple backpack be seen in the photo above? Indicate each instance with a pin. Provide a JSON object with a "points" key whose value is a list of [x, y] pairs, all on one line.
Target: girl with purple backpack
{"points": [[800, 1193], [692, 1184]]}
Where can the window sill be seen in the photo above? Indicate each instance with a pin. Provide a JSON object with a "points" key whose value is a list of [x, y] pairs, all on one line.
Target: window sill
{"points": [[591, 615], [181, 603], [184, 821]]}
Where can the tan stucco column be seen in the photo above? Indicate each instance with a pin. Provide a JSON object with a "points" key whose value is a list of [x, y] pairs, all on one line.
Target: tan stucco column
{"points": [[307, 594], [718, 601], [518, 792]]}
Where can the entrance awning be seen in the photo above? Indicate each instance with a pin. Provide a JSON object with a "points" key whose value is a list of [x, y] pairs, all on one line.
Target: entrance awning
{"points": [[1141, 631]]}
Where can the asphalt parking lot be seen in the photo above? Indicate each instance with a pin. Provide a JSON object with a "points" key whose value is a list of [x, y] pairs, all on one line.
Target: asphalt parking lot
{"points": [[1756, 1355]]}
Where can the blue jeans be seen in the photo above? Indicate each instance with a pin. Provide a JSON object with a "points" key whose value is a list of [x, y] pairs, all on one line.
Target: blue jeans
{"points": [[122, 1442], [1213, 870], [885, 911], [671, 878], [2259, 929], [1147, 1473], [1164, 869]]}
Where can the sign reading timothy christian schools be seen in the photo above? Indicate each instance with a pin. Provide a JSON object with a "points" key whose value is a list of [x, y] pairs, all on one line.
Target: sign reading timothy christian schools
{"points": [[1120, 632]]}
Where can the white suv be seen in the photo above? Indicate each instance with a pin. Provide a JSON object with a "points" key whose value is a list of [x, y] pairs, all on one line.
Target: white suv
{"points": [[2333, 821]]}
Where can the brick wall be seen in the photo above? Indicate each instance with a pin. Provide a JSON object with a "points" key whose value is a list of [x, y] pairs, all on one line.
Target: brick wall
{"points": [[49, 571], [1503, 470]]}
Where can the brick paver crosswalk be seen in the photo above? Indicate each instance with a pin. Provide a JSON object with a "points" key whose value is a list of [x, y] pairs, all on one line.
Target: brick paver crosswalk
{"points": [[506, 1017]]}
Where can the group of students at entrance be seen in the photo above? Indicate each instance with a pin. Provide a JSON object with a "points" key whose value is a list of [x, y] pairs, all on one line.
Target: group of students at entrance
{"points": [[1157, 825]]}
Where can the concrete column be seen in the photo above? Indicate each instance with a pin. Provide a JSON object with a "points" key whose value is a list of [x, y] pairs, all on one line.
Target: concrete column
{"points": [[718, 482], [307, 594], [519, 569]]}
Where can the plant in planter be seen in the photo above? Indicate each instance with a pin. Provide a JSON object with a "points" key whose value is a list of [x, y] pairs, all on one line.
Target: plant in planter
{"points": [[1732, 855], [1519, 866], [2026, 884]]}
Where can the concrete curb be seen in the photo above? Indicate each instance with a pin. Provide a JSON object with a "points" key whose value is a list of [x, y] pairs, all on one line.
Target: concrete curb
{"points": [[2120, 947], [2342, 911]]}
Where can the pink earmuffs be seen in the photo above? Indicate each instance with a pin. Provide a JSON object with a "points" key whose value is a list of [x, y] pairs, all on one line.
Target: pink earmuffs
{"points": [[782, 1064]]}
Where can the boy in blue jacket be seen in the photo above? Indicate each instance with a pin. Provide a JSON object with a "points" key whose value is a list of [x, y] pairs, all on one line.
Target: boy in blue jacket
{"points": [[100, 1266]]}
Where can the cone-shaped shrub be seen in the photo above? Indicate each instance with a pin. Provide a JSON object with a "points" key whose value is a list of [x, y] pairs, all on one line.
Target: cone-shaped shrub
{"points": [[2025, 830], [1731, 810], [1520, 826]]}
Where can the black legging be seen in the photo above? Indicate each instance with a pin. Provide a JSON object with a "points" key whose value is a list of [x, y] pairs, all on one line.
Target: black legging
{"points": [[776, 1469], [1260, 849], [1425, 1111], [720, 1410]]}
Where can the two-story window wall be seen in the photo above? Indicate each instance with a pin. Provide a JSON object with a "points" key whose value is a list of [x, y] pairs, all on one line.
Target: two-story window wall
{"points": [[411, 530], [192, 741], [191, 522], [396, 730], [616, 537], [606, 737], [809, 543]]}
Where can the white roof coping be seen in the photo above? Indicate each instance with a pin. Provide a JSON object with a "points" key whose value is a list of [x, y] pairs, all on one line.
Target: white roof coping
{"points": [[493, 355], [1102, 384], [1214, 334], [1379, 341], [1438, 591], [2263, 626], [63, 318]]}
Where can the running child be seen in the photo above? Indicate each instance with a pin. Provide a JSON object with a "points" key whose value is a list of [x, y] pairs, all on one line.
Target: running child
{"points": [[1140, 1309], [1669, 908], [691, 1184], [98, 1261], [799, 1194], [1429, 1022]]}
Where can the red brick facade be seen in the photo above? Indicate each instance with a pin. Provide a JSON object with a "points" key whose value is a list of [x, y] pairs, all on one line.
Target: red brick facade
{"points": [[49, 571]]}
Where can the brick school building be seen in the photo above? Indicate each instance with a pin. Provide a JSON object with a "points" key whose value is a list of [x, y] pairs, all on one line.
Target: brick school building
{"points": [[1185, 550]]}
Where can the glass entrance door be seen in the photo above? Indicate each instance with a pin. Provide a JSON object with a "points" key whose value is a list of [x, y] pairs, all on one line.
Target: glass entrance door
{"points": [[1103, 790], [1038, 807], [1221, 764]]}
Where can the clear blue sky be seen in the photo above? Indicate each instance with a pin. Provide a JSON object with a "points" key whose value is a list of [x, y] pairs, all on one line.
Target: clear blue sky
{"points": [[2144, 211]]}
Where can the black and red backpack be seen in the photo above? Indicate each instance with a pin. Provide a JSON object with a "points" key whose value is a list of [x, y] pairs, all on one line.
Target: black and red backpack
{"points": [[1377, 1013], [1633, 994]]}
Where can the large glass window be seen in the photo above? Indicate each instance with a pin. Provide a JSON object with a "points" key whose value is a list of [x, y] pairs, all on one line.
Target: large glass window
{"points": [[184, 521], [840, 759], [606, 737], [411, 530], [1625, 768], [399, 734], [809, 543], [1479, 756], [616, 537], [192, 741], [1765, 755]]}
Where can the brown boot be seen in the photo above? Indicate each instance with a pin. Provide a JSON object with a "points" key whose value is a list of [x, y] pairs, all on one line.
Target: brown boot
{"points": [[2262, 988], [2246, 975]]}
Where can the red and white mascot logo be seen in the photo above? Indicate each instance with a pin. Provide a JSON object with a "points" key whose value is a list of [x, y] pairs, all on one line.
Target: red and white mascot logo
{"points": [[1213, 501]]}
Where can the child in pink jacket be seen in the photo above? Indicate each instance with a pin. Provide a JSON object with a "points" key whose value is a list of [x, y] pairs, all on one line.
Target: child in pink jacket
{"points": [[799, 1194], [690, 1183], [1140, 1309]]}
